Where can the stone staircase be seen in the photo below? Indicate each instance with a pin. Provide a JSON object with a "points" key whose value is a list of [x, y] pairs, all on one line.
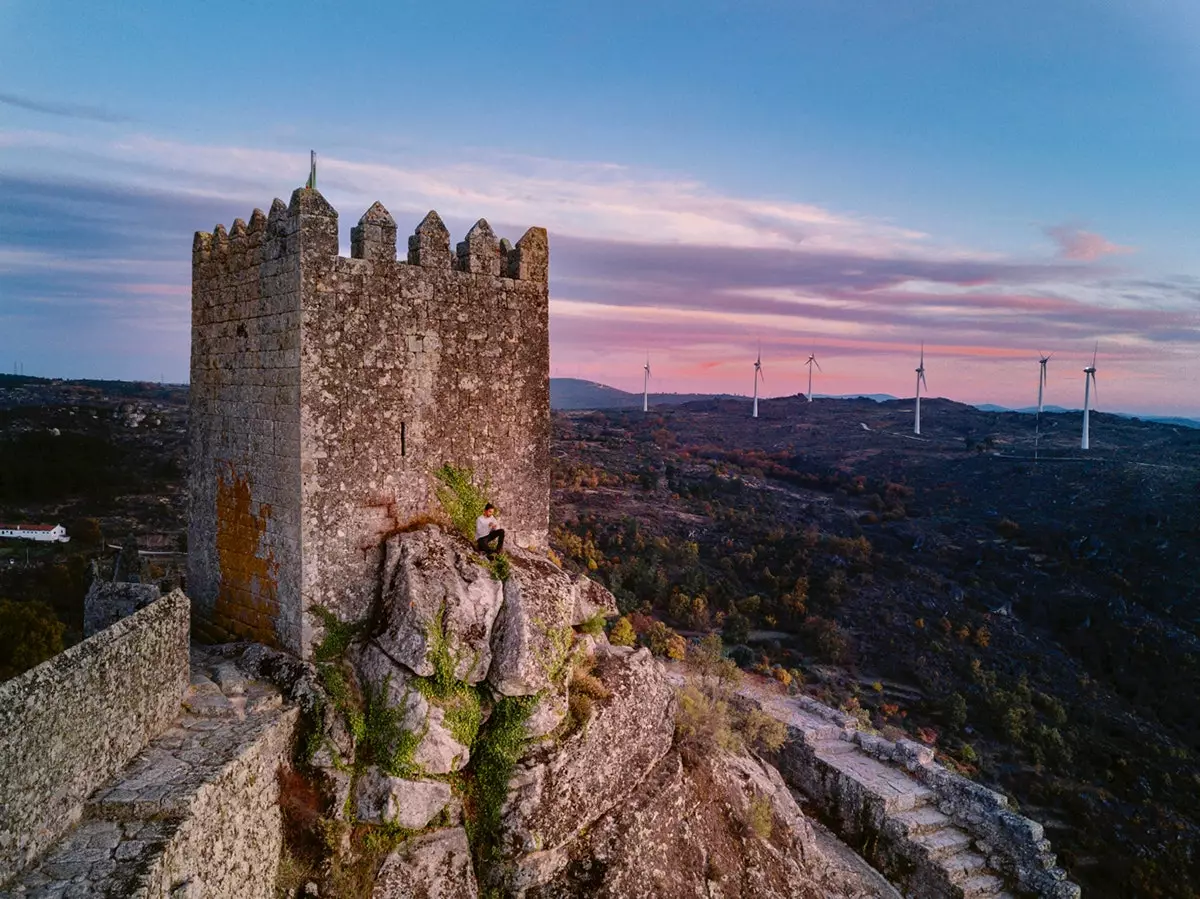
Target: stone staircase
{"points": [[933, 834], [195, 813], [913, 831]]}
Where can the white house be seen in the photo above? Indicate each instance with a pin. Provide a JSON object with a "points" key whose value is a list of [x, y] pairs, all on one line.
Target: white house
{"points": [[43, 533]]}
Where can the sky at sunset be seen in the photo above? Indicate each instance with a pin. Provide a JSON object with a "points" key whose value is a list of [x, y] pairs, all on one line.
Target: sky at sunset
{"points": [[850, 177]]}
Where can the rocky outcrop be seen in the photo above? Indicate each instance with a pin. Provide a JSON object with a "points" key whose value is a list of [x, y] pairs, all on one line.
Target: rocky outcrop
{"points": [[590, 600], [598, 802], [437, 595], [533, 632], [559, 791], [432, 866], [721, 826], [438, 752]]}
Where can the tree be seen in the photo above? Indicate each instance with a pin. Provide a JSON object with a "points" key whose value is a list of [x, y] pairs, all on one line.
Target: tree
{"points": [[30, 633], [622, 633], [737, 628]]}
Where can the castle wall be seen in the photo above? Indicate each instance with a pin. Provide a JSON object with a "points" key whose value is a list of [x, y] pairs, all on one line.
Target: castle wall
{"points": [[72, 722], [405, 366], [326, 390], [244, 432]]}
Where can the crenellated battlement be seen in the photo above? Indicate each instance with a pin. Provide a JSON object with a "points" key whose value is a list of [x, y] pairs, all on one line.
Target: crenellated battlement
{"points": [[374, 239], [326, 389]]}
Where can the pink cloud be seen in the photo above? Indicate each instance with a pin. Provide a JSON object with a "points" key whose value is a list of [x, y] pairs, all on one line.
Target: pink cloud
{"points": [[1075, 243]]}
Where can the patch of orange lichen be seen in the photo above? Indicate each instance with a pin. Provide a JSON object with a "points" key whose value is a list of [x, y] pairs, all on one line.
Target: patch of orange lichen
{"points": [[247, 603]]}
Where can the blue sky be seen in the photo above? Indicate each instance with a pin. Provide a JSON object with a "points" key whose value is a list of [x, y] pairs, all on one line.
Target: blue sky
{"points": [[854, 177]]}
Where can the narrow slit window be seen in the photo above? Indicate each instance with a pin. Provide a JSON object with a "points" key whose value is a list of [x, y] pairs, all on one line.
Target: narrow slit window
{"points": [[403, 439]]}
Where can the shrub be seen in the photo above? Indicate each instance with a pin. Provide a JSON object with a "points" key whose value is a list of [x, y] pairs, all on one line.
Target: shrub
{"points": [[493, 757], [622, 633], [676, 647], [703, 724], [761, 732], [461, 498], [760, 817], [737, 628], [500, 566], [594, 625], [956, 711], [663, 642], [707, 658]]}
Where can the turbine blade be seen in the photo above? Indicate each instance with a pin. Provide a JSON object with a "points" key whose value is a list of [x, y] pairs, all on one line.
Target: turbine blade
{"points": [[818, 364], [1094, 352]]}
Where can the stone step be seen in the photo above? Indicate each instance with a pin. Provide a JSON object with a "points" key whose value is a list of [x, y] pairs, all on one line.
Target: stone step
{"points": [[834, 747], [924, 819], [962, 866], [898, 790], [942, 843], [984, 886]]}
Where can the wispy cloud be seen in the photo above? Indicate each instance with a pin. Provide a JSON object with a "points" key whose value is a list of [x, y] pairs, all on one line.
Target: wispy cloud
{"points": [[639, 260], [59, 108], [1075, 243]]}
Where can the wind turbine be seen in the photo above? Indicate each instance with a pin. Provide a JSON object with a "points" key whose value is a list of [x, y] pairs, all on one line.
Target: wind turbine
{"points": [[812, 360], [758, 375], [1089, 382], [646, 386], [1042, 379], [920, 381]]}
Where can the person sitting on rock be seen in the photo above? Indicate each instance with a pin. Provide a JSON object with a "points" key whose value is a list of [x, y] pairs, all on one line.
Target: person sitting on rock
{"points": [[488, 531]]}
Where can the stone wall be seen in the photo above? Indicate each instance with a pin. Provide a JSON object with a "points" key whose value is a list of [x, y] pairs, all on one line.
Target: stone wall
{"points": [[380, 370], [230, 840], [244, 430], [72, 722]]}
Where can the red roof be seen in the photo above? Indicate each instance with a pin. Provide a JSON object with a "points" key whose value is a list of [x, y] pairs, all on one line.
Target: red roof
{"points": [[27, 527]]}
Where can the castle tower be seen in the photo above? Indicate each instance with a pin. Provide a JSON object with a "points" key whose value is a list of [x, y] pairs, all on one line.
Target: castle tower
{"points": [[325, 391]]}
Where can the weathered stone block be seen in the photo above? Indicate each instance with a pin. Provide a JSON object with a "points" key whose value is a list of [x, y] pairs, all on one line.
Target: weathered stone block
{"points": [[432, 866], [412, 804], [436, 598], [533, 633]]}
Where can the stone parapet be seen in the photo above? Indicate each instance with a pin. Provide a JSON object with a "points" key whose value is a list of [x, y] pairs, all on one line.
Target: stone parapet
{"points": [[72, 722]]}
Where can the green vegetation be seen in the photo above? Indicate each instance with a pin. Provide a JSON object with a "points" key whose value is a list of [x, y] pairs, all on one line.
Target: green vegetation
{"points": [[760, 816], [30, 633], [622, 633], [384, 742], [461, 497], [500, 566], [594, 625], [493, 758]]}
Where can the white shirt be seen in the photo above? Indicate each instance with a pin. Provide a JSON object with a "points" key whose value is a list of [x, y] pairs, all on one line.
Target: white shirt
{"points": [[484, 525]]}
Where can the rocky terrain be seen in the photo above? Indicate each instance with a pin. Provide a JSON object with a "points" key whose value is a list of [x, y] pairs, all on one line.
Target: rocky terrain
{"points": [[988, 590], [1027, 609], [482, 737]]}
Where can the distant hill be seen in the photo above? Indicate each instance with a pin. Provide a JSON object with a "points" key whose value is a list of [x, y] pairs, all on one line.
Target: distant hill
{"points": [[576, 393], [1160, 419]]}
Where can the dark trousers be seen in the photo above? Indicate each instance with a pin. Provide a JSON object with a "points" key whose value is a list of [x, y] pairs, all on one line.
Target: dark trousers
{"points": [[484, 543]]}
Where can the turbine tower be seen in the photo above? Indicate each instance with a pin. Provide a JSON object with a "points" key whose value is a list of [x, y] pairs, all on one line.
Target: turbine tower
{"points": [[920, 381], [812, 360], [1089, 382], [758, 375], [646, 386], [1042, 379]]}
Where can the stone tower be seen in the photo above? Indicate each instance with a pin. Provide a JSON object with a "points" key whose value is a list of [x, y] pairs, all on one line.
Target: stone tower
{"points": [[325, 391]]}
